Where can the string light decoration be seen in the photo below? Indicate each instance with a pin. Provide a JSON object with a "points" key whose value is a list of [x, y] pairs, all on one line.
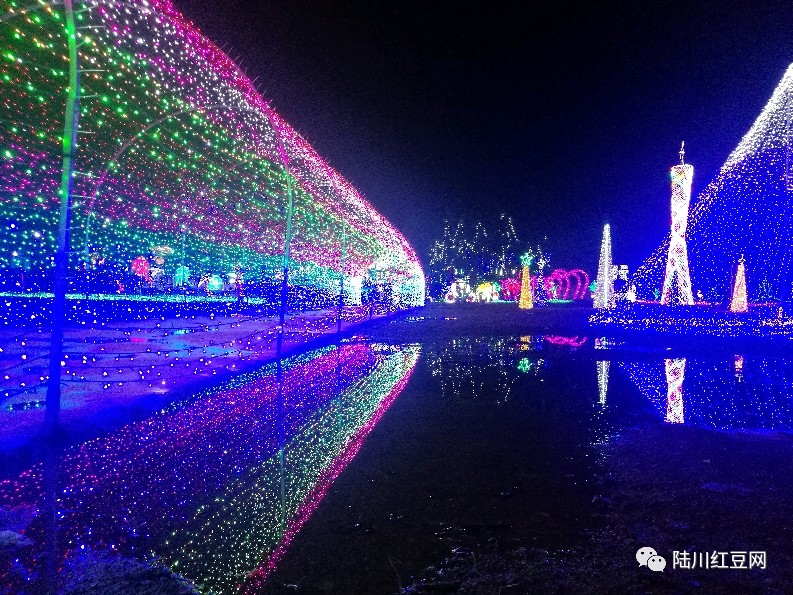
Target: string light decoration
{"points": [[176, 149], [475, 367], [566, 341], [565, 286], [543, 260], [213, 485], [604, 292], [721, 393], [510, 289], [746, 210], [739, 301], [474, 254], [677, 279], [526, 301]]}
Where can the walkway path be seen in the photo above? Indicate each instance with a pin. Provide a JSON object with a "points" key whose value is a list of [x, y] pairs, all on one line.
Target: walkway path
{"points": [[126, 370]]}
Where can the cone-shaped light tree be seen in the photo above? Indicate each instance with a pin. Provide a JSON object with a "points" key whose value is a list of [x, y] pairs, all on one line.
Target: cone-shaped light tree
{"points": [[750, 197], [604, 292], [526, 299], [739, 301]]}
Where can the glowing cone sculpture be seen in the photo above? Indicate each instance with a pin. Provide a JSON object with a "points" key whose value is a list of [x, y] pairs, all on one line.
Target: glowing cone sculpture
{"points": [[526, 298], [739, 301], [604, 291]]}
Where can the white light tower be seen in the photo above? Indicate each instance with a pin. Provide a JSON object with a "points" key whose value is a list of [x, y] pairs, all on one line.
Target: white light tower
{"points": [[677, 274], [604, 291]]}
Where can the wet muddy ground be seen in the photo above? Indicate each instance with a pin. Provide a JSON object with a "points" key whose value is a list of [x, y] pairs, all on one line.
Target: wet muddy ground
{"points": [[521, 456], [483, 480]]}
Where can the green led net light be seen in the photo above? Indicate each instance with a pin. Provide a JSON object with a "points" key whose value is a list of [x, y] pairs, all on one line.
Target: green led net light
{"points": [[176, 148]]}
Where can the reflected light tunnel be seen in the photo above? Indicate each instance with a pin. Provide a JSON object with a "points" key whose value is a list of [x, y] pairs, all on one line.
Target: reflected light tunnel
{"points": [[216, 486]]}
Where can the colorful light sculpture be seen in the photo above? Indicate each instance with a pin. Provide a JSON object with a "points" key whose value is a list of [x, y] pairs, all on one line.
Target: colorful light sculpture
{"points": [[677, 279], [176, 147], [739, 301], [604, 292], [567, 285], [746, 209], [526, 301]]}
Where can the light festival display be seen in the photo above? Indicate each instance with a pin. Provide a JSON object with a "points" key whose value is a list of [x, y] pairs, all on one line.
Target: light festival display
{"points": [[526, 300], [485, 367], [677, 279], [741, 392], [604, 292], [216, 486], [564, 285], [473, 253], [180, 166], [746, 210], [739, 301]]}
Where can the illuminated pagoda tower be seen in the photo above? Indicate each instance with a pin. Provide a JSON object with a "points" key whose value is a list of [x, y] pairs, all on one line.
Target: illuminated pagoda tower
{"points": [[604, 292], [746, 209], [677, 280]]}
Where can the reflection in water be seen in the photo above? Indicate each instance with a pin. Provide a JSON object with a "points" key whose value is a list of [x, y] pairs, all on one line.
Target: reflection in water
{"points": [[603, 380], [567, 341], [215, 486], [530, 366], [737, 364], [737, 392], [471, 367], [675, 373]]}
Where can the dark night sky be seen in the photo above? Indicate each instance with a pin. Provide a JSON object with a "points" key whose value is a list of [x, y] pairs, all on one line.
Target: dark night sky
{"points": [[564, 118]]}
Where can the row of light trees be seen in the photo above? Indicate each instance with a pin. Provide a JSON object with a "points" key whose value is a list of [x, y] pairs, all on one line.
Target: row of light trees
{"points": [[476, 253]]}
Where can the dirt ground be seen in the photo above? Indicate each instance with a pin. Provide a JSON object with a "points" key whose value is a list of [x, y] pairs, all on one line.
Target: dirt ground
{"points": [[698, 491], [563, 520]]}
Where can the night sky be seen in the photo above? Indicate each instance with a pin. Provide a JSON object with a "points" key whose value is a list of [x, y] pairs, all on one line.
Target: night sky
{"points": [[563, 120]]}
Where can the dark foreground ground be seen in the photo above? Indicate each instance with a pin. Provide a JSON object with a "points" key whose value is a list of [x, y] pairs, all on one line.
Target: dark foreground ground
{"points": [[469, 493], [681, 496]]}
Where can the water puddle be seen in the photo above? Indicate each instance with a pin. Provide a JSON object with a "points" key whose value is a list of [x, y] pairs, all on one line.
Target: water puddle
{"points": [[435, 451]]}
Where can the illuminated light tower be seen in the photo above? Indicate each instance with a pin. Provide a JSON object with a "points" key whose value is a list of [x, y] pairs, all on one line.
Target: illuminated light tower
{"points": [[675, 373], [604, 292], [526, 299], [542, 294], [677, 274], [739, 301]]}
